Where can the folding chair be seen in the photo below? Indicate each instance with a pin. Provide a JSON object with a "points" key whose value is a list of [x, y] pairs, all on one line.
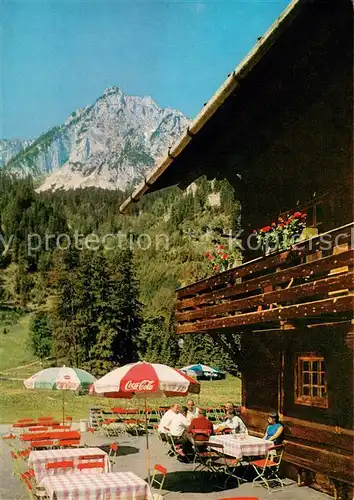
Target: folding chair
{"points": [[20, 467], [38, 428], [91, 462], [176, 449], [267, 469], [37, 445], [34, 493], [63, 465], [204, 457], [69, 443], [113, 452], [10, 440], [158, 469], [91, 465]]}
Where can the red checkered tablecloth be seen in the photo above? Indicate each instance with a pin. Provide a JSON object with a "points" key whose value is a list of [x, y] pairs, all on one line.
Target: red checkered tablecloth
{"points": [[239, 448], [104, 486], [39, 459]]}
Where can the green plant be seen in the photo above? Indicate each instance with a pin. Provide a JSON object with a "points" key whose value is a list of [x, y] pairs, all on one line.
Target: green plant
{"points": [[282, 234], [219, 259]]}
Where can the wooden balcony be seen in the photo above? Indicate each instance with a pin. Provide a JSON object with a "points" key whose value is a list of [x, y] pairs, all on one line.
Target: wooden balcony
{"points": [[313, 282]]}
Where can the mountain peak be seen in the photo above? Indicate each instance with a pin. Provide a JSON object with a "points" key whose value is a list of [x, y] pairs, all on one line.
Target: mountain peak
{"points": [[114, 89], [109, 144]]}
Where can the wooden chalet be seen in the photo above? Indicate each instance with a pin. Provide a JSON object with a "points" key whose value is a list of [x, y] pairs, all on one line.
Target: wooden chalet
{"points": [[280, 129]]}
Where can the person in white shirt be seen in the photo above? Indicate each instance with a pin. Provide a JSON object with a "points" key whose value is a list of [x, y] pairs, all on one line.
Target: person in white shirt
{"points": [[233, 421], [179, 426], [192, 410], [165, 422]]}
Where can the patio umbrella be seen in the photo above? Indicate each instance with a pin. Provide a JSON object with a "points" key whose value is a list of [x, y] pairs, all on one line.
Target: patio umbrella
{"points": [[145, 380], [62, 378], [199, 369]]}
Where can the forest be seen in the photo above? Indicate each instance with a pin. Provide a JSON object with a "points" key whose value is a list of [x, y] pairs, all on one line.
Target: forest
{"points": [[100, 286]]}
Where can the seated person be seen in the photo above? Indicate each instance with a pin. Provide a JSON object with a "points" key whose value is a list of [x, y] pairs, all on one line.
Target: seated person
{"points": [[166, 420], [274, 431], [201, 427], [232, 421], [179, 425], [192, 410]]}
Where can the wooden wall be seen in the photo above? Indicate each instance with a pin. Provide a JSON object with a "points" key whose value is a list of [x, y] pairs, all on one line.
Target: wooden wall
{"points": [[331, 344], [318, 440]]}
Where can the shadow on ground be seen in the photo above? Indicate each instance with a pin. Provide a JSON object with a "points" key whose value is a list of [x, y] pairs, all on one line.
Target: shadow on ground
{"points": [[195, 482], [123, 451]]}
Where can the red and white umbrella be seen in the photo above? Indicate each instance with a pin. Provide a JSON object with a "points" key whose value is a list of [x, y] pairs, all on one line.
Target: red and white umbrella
{"points": [[147, 380]]}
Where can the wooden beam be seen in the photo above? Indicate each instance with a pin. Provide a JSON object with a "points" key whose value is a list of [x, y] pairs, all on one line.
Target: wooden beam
{"points": [[308, 309], [313, 288], [309, 269]]}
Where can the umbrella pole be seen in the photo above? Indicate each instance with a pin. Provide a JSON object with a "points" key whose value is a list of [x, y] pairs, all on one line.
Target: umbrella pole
{"points": [[63, 408], [147, 442]]}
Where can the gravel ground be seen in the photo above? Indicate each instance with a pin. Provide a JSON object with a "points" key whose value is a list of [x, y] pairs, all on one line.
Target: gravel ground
{"points": [[181, 481]]}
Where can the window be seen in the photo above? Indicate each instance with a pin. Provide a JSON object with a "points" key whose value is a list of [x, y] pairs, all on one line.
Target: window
{"points": [[311, 381]]}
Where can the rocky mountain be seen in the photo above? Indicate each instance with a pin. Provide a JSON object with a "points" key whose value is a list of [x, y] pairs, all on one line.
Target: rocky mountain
{"points": [[109, 144], [10, 148]]}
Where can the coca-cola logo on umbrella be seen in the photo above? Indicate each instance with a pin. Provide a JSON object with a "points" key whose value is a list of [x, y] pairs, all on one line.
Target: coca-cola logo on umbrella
{"points": [[142, 386]]}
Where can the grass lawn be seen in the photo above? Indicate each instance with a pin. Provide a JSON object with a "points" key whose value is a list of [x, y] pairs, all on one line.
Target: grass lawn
{"points": [[13, 349], [17, 402]]}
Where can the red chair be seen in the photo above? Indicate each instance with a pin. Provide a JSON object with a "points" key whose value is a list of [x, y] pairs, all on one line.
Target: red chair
{"points": [[65, 464], [27, 475], [113, 452], [24, 453], [69, 443], [159, 469], [42, 444], [91, 465], [38, 429], [267, 469], [201, 434], [91, 457], [45, 419], [29, 487]]}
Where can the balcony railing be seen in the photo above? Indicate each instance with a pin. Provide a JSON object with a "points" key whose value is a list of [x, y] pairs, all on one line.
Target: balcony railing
{"points": [[313, 281]]}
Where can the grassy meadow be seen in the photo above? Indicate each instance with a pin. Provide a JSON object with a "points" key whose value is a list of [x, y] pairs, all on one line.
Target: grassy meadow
{"points": [[17, 363]]}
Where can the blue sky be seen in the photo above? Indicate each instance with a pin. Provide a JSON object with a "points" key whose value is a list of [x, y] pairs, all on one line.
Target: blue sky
{"points": [[57, 56]]}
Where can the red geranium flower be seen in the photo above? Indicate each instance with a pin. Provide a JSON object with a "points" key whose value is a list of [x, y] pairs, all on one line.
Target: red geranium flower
{"points": [[266, 229], [216, 268], [303, 216], [297, 215], [225, 256], [221, 247]]}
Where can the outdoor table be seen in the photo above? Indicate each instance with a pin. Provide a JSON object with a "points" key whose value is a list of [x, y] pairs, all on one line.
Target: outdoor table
{"points": [[39, 459], [34, 436], [236, 447], [104, 486]]}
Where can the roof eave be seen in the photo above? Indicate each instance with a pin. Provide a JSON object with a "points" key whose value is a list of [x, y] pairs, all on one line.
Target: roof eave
{"points": [[226, 89]]}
